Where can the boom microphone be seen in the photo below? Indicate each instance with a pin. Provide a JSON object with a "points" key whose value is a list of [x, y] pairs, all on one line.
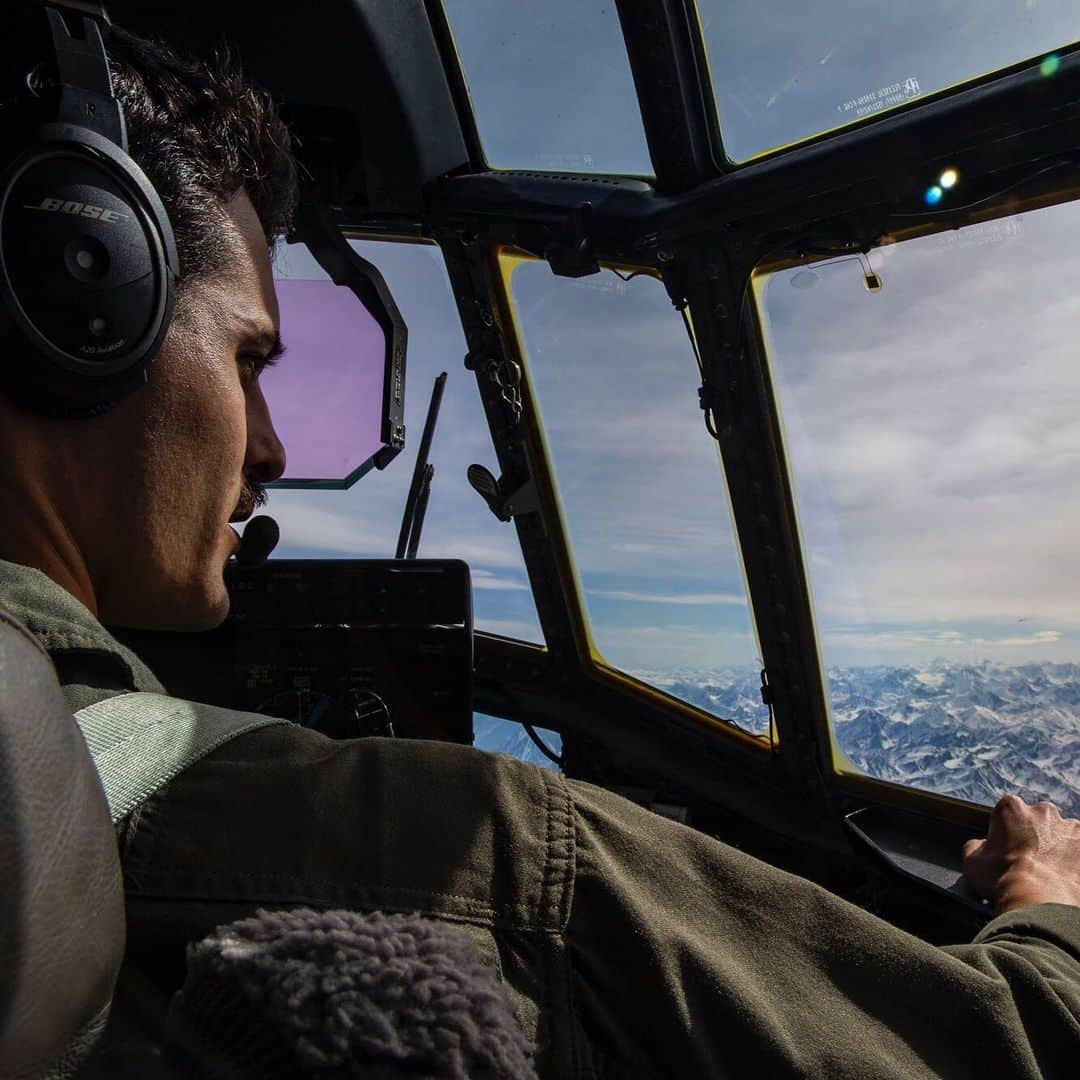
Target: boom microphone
{"points": [[259, 539]]}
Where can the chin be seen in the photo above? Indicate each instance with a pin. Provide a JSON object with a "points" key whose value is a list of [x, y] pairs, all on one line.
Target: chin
{"points": [[184, 606], [207, 616], [204, 605]]}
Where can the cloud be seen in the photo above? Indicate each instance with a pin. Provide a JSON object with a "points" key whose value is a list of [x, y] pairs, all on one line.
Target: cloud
{"points": [[868, 637], [639, 476], [1043, 637], [499, 550], [521, 629], [308, 527], [363, 523], [921, 643], [932, 431], [485, 579], [687, 599], [674, 646], [757, 50]]}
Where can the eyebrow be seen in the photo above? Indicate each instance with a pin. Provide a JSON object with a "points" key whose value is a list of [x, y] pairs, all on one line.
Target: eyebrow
{"points": [[270, 342]]}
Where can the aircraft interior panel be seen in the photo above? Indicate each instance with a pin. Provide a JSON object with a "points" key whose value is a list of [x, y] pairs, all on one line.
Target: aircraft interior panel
{"points": [[677, 395]]}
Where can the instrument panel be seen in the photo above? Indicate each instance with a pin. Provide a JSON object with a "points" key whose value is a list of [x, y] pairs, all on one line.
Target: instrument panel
{"points": [[347, 647]]}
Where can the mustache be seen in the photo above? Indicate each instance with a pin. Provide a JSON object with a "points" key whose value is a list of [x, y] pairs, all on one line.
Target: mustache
{"points": [[253, 495]]}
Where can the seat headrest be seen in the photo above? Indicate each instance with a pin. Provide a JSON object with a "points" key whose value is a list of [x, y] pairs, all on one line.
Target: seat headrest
{"points": [[61, 891]]}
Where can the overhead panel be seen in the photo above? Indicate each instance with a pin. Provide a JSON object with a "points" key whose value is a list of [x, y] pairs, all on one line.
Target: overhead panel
{"points": [[784, 71], [550, 85], [361, 83]]}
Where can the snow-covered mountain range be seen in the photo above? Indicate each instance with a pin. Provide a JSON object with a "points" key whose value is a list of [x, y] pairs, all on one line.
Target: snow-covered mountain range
{"points": [[971, 731], [505, 737]]}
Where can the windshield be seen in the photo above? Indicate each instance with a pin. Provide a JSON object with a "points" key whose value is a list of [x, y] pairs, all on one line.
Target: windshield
{"points": [[786, 70], [551, 85], [932, 433], [642, 487]]}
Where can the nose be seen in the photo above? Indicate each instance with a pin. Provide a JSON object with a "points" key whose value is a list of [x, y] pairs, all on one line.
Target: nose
{"points": [[265, 457]]}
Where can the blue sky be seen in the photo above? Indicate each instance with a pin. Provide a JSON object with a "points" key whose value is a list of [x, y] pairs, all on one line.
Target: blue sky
{"points": [[639, 477], [931, 426]]}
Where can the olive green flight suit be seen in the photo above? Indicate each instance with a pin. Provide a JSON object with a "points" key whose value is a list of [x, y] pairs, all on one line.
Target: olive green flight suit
{"points": [[635, 946]]}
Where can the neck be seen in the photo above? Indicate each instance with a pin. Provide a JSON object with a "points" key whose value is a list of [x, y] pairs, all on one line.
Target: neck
{"points": [[35, 535]]}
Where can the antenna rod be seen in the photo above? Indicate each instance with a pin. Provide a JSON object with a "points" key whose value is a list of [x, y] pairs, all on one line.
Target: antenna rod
{"points": [[421, 512], [409, 522]]}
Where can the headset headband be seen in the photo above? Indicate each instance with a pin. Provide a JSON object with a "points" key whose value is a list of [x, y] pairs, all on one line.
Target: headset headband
{"points": [[86, 92]]}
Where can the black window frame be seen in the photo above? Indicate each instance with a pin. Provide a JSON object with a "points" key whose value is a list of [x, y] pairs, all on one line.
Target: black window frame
{"points": [[706, 228]]}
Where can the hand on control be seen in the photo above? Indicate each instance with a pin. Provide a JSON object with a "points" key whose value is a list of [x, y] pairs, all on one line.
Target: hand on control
{"points": [[1031, 855]]}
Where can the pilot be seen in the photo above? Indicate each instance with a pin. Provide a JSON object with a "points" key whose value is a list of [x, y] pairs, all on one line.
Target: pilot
{"points": [[633, 945]]}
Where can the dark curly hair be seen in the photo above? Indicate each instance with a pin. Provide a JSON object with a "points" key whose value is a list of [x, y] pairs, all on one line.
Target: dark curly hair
{"points": [[197, 127], [201, 132]]}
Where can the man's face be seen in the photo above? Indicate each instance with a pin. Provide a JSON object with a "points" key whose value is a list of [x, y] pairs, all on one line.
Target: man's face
{"points": [[181, 455]]}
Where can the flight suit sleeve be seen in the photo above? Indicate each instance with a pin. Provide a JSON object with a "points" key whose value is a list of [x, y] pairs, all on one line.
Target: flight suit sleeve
{"points": [[690, 957], [635, 946], [1033, 954]]}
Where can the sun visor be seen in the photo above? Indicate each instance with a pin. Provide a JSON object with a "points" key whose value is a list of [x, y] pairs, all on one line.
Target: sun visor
{"points": [[337, 396]]}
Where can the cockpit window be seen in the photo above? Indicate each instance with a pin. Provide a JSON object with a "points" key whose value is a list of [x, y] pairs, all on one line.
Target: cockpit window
{"points": [[641, 487], [506, 737], [550, 85], [932, 430], [364, 521], [786, 70]]}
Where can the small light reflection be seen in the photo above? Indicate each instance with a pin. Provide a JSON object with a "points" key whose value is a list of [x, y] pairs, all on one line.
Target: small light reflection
{"points": [[1051, 65], [805, 279], [934, 195], [949, 179]]}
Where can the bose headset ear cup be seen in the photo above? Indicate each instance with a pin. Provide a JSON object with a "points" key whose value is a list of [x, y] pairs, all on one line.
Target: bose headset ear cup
{"points": [[88, 263]]}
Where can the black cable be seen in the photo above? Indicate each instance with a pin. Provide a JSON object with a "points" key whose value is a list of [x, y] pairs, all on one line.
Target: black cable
{"points": [[740, 327], [710, 423], [767, 701], [541, 745], [692, 336]]}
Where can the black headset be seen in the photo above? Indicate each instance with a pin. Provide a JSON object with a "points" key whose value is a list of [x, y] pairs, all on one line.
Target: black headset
{"points": [[88, 263]]}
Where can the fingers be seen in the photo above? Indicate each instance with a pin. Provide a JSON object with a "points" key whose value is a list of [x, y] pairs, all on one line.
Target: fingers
{"points": [[1012, 822], [1009, 805], [973, 847], [1012, 813], [1008, 814], [1030, 855], [976, 867]]}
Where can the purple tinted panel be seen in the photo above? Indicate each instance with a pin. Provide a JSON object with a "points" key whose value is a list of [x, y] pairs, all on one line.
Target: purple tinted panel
{"points": [[326, 393]]}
